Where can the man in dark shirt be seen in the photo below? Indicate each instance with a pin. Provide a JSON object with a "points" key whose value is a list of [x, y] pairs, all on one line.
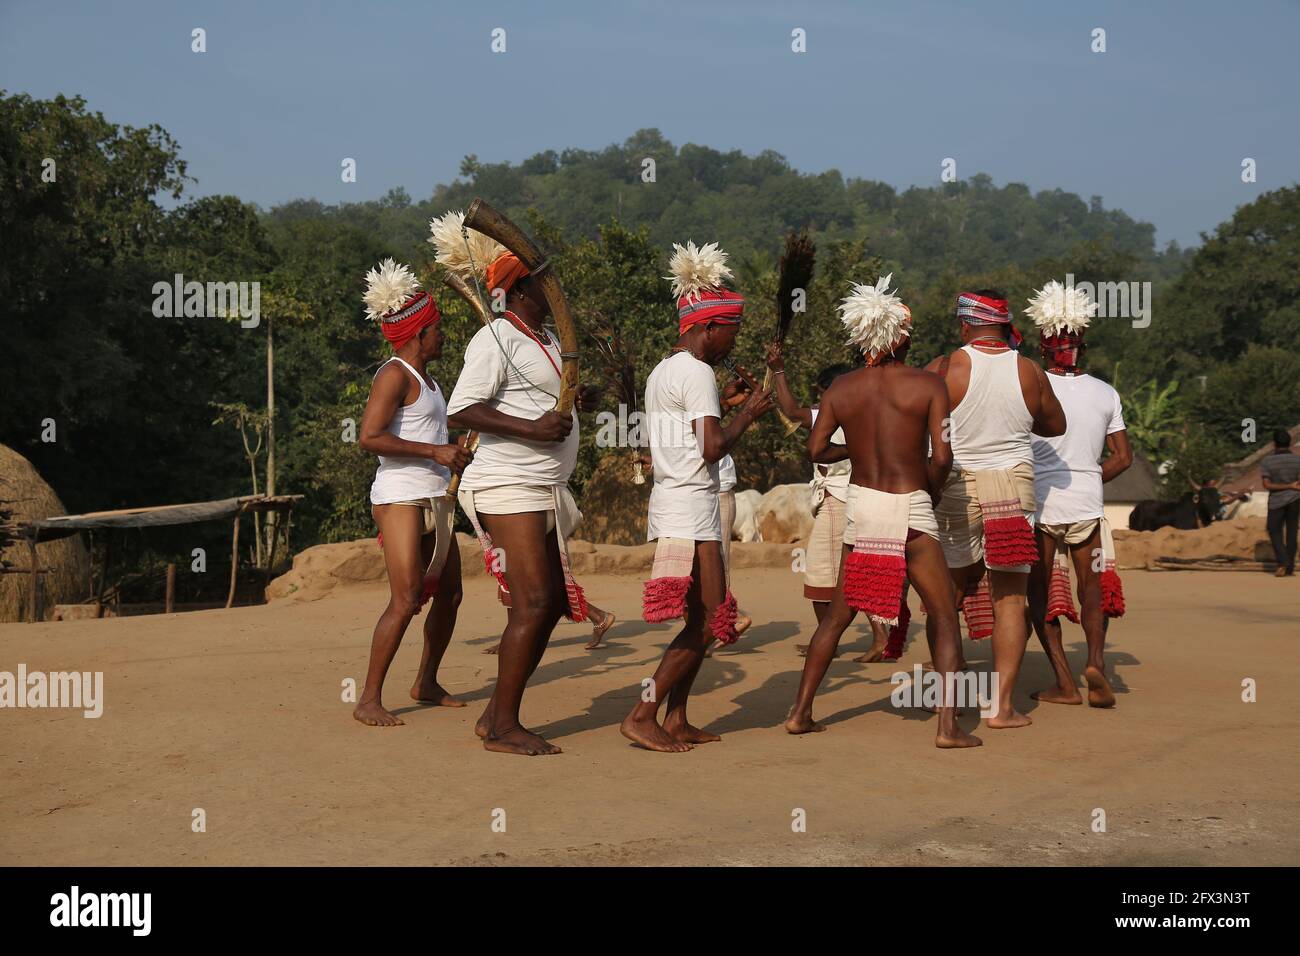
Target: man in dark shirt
{"points": [[1281, 474]]}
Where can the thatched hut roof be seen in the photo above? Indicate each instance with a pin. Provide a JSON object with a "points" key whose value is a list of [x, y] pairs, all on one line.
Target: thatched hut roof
{"points": [[26, 495]]}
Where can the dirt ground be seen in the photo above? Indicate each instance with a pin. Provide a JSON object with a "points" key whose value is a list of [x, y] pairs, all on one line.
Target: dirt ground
{"points": [[239, 713]]}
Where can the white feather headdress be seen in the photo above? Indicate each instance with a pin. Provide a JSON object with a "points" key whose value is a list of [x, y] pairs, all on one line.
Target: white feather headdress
{"points": [[453, 252], [695, 269], [875, 317], [1056, 308], [388, 288]]}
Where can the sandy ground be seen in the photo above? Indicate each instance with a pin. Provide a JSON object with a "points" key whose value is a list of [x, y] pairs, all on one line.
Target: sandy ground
{"points": [[240, 713]]}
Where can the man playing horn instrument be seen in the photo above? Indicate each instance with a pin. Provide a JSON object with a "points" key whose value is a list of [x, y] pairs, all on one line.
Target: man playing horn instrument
{"points": [[405, 424], [516, 491], [887, 412], [687, 441]]}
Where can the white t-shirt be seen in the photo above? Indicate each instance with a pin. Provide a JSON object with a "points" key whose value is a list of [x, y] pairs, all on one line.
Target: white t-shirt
{"points": [[516, 378], [1067, 469], [684, 500], [833, 478], [726, 474]]}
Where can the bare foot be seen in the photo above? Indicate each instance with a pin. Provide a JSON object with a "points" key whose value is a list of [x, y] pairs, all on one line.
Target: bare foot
{"points": [[1099, 692], [743, 623], [1055, 695], [598, 632], [493, 649], [803, 724], [961, 665], [957, 740], [1012, 720], [687, 733], [372, 714], [432, 694], [649, 735], [802, 650], [519, 741], [871, 656], [481, 727]]}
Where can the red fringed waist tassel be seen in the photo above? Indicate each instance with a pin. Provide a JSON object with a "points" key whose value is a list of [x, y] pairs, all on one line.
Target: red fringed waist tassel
{"points": [[664, 599], [1009, 542], [873, 581], [1059, 601]]}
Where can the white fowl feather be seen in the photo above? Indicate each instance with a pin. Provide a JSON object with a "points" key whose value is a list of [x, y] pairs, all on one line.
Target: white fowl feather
{"points": [[388, 288], [695, 269], [465, 259], [1056, 308], [875, 318]]}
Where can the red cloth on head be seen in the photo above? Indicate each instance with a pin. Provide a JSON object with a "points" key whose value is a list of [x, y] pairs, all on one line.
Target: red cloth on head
{"points": [[709, 305], [410, 320], [505, 271], [983, 310], [1064, 348]]}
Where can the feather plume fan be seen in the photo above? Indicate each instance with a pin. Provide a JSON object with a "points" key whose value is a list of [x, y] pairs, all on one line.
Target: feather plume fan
{"points": [[874, 317], [695, 269], [617, 360], [1056, 308], [388, 288], [796, 273], [465, 259]]}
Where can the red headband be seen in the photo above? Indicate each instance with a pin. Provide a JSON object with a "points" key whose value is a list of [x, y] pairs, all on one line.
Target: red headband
{"points": [[410, 320], [709, 305], [982, 310]]}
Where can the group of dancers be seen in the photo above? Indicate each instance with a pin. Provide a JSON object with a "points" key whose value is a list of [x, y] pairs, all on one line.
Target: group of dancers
{"points": [[977, 480]]}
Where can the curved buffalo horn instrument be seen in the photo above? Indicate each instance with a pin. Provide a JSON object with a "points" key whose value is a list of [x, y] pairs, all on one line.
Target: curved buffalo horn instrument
{"points": [[483, 218], [796, 272], [479, 308]]}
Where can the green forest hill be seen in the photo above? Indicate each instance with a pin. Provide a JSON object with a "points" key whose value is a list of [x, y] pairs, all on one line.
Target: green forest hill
{"points": [[150, 410]]}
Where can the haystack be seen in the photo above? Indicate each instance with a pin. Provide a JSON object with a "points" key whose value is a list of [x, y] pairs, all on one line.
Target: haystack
{"points": [[27, 497]]}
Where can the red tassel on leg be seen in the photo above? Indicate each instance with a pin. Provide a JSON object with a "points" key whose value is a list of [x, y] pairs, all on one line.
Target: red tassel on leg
{"points": [[664, 599], [1112, 594], [898, 634], [977, 609], [1059, 601], [1009, 542], [429, 589], [723, 622], [874, 583], [577, 600]]}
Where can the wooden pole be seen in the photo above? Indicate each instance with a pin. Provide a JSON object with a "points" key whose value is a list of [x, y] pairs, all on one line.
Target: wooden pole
{"points": [[171, 589], [234, 562], [32, 580], [270, 430], [103, 573]]}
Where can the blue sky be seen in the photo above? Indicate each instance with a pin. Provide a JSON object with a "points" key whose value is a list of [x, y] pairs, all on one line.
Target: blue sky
{"points": [[1157, 125]]}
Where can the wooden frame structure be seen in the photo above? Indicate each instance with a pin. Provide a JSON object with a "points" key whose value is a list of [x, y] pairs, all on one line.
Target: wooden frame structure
{"points": [[50, 529]]}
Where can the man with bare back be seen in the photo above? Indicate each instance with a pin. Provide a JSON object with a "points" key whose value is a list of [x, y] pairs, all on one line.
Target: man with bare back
{"points": [[887, 412], [830, 489], [516, 492], [999, 400], [405, 424], [687, 442]]}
